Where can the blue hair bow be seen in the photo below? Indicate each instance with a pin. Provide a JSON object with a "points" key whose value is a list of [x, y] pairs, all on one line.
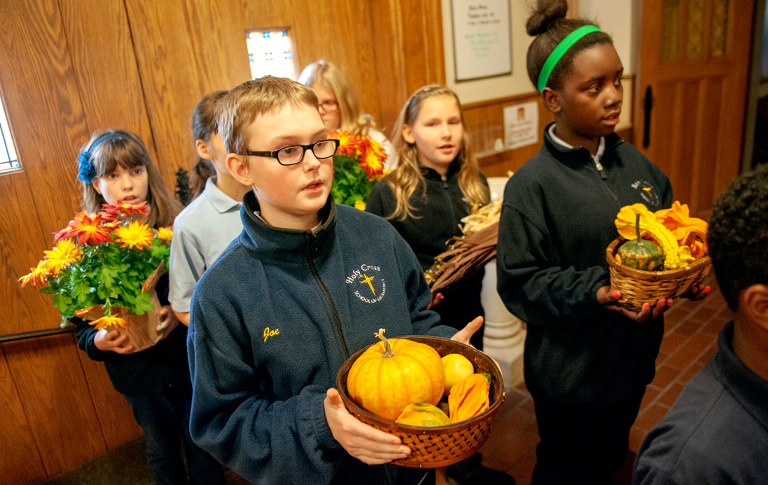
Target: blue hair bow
{"points": [[86, 171]]}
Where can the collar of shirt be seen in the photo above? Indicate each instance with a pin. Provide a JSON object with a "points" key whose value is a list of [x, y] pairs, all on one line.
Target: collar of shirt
{"points": [[600, 144], [218, 199]]}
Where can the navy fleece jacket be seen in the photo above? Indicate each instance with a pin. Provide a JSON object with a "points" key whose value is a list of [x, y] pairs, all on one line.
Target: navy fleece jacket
{"points": [[271, 323], [438, 210], [557, 219]]}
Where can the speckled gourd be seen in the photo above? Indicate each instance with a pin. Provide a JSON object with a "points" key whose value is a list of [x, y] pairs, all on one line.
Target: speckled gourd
{"points": [[641, 253]]}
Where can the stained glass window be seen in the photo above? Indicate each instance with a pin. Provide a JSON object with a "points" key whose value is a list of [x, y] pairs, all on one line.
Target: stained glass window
{"points": [[669, 30], [8, 159], [270, 51]]}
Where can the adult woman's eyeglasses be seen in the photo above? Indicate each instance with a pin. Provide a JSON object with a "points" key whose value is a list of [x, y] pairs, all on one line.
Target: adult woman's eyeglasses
{"points": [[329, 105], [293, 154]]}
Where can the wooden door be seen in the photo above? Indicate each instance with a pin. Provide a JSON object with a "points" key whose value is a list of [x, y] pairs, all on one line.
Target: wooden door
{"points": [[692, 84]]}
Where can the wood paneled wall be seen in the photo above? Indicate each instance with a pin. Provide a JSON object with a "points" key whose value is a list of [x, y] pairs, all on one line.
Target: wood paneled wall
{"points": [[74, 66]]}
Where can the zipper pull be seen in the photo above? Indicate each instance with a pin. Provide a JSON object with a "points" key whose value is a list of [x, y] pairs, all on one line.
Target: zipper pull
{"points": [[600, 169]]}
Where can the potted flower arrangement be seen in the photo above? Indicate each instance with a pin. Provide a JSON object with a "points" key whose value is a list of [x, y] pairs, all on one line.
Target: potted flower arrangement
{"points": [[357, 165], [103, 268]]}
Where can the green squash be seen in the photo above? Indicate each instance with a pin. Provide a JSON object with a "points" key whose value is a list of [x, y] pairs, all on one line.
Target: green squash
{"points": [[641, 253]]}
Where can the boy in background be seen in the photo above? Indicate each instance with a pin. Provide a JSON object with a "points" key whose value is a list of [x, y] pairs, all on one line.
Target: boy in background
{"points": [[304, 286], [717, 430]]}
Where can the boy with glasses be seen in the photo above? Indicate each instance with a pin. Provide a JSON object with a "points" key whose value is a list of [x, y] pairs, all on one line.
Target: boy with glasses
{"points": [[304, 286]]}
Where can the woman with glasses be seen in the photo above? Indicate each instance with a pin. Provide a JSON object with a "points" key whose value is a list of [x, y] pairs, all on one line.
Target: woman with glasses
{"points": [[339, 106]]}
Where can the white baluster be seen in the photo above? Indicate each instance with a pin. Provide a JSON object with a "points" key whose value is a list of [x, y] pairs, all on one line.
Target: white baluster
{"points": [[504, 333]]}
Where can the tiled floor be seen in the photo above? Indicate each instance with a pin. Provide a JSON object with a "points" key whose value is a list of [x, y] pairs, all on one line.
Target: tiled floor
{"points": [[690, 339]]}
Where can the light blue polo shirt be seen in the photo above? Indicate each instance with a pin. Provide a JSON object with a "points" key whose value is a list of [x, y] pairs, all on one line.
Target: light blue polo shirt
{"points": [[201, 232]]}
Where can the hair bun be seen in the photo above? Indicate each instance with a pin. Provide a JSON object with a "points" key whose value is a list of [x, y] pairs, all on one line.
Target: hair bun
{"points": [[547, 13]]}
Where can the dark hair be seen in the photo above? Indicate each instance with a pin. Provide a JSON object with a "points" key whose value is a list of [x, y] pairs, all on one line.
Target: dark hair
{"points": [[737, 236], [549, 26], [204, 122], [127, 150]]}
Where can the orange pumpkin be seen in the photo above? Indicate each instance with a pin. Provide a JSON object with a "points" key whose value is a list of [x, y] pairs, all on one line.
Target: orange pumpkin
{"points": [[394, 373]]}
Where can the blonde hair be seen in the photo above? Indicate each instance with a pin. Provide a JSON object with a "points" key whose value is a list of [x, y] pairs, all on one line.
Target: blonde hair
{"points": [[408, 176], [128, 151], [326, 74], [240, 107]]}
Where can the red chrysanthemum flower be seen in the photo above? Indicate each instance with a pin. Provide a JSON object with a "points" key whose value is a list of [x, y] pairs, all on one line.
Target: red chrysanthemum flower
{"points": [[87, 229], [124, 210]]}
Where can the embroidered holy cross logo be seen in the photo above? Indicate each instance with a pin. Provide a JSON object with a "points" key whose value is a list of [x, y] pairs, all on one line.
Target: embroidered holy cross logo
{"points": [[368, 280]]}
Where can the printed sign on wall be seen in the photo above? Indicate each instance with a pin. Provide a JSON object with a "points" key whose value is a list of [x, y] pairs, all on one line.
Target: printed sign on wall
{"points": [[521, 125], [481, 38]]}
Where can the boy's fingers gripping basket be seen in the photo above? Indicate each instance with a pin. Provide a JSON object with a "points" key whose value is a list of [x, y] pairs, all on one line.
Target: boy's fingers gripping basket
{"points": [[440, 445], [638, 287]]}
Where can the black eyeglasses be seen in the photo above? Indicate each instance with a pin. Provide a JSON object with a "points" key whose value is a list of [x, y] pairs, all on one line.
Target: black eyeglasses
{"points": [[293, 154]]}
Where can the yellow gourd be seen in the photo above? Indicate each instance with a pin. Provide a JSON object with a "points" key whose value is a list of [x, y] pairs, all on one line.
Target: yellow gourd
{"points": [[675, 255], [689, 231]]}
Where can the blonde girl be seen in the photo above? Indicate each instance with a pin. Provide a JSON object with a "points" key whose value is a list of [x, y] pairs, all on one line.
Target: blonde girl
{"points": [[338, 103], [436, 183]]}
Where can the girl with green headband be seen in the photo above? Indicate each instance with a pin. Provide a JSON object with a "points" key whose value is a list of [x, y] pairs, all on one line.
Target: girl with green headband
{"points": [[587, 361]]}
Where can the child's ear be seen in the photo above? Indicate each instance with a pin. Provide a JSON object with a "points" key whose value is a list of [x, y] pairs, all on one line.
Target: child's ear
{"points": [[202, 150], [408, 134], [95, 185], [551, 100], [238, 167], [753, 301]]}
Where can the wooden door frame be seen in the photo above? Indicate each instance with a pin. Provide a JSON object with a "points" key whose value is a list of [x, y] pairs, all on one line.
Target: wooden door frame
{"points": [[651, 72], [757, 87]]}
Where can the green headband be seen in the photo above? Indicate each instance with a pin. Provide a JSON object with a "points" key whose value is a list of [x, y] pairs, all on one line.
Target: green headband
{"points": [[560, 50]]}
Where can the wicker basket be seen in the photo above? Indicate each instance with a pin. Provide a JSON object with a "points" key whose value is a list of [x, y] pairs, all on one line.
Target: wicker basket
{"points": [[440, 445], [638, 287]]}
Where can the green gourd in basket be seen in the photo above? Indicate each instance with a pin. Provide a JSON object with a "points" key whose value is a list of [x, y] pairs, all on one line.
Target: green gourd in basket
{"points": [[641, 253], [423, 414]]}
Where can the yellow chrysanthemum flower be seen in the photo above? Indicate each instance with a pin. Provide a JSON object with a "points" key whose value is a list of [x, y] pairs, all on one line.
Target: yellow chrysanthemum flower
{"points": [[110, 321], [62, 255], [165, 233], [134, 235], [360, 204], [37, 276]]}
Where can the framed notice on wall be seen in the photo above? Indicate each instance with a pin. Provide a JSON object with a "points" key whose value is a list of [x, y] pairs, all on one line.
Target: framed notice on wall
{"points": [[481, 38]]}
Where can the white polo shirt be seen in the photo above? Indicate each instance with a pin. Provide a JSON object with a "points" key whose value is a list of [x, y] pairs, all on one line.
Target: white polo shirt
{"points": [[201, 232]]}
